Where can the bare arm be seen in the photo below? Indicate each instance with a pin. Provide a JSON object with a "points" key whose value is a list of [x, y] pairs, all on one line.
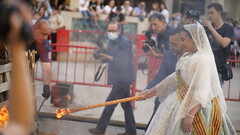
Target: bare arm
{"points": [[134, 13], [154, 53], [194, 110], [46, 73], [21, 92], [188, 120]]}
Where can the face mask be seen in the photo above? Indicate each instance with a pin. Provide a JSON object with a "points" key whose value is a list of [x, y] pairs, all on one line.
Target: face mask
{"points": [[238, 26], [112, 35]]}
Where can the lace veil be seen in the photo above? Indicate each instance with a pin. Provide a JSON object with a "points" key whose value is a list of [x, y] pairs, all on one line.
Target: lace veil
{"points": [[202, 75]]}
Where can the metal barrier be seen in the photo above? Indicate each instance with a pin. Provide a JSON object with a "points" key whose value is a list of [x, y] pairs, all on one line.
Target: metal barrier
{"points": [[75, 63], [73, 66], [233, 93]]}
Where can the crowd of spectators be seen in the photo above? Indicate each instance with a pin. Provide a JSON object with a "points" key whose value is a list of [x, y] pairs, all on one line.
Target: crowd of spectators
{"points": [[91, 11]]}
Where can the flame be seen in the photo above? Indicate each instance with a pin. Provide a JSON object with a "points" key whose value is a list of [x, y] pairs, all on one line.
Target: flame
{"points": [[61, 112], [68, 97], [4, 117]]}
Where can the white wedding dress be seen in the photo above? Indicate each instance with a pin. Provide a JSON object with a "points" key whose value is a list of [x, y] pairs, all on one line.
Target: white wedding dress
{"points": [[199, 72]]}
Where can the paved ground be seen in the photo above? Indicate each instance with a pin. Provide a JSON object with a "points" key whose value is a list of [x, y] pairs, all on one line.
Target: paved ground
{"points": [[87, 95], [66, 127]]}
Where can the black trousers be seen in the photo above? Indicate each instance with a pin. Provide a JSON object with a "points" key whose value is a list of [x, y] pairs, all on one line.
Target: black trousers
{"points": [[118, 92]]}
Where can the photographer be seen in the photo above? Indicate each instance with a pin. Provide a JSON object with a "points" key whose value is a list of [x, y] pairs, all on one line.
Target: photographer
{"points": [[120, 75], [220, 35], [158, 26]]}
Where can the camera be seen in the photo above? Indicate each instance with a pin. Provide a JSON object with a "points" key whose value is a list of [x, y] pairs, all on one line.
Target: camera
{"points": [[97, 55], [193, 14], [6, 11], [101, 50], [148, 41]]}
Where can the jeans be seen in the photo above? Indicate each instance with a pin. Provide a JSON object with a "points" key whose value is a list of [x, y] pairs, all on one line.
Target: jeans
{"points": [[118, 92], [85, 14]]}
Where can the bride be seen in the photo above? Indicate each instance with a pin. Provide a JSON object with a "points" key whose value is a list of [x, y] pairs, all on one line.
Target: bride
{"points": [[194, 101]]}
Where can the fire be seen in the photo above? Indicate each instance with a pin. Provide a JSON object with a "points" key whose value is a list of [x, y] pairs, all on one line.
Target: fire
{"points": [[61, 112], [4, 117], [68, 97]]}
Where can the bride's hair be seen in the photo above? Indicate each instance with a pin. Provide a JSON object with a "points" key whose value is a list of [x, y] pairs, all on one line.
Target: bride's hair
{"points": [[187, 32]]}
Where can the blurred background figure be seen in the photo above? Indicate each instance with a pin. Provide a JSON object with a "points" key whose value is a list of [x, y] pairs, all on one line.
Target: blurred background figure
{"points": [[237, 32], [57, 22], [235, 49], [155, 8], [99, 8], [176, 19], [83, 8], [47, 10], [164, 11], [140, 11], [110, 7], [127, 8], [93, 9], [190, 16], [66, 7], [117, 16], [36, 6]]}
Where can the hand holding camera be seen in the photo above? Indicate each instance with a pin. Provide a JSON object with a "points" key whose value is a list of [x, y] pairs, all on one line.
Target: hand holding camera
{"points": [[208, 24], [98, 53], [101, 50], [149, 42]]}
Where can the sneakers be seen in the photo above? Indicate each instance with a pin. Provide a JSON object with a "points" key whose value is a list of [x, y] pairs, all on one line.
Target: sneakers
{"points": [[128, 133], [96, 131]]}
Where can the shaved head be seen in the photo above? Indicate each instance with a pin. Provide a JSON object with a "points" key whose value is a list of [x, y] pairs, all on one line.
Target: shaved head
{"points": [[41, 22], [41, 30]]}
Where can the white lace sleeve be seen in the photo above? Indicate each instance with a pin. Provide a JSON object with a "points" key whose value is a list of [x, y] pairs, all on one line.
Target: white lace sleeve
{"points": [[167, 86]]}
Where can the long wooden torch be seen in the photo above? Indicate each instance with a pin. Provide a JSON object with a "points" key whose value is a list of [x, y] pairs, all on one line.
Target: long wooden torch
{"points": [[65, 111]]}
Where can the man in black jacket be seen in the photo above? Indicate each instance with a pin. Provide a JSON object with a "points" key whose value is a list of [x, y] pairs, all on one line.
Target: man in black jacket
{"points": [[120, 75]]}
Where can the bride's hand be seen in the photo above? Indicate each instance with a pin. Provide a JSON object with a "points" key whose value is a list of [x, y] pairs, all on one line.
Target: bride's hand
{"points": [[143, 95], [187, 124]]}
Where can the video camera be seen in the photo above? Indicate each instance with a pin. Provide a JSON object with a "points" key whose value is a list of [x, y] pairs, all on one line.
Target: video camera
{"points": [[6, 11], [193, 14], [148, 41], [101, 50]]}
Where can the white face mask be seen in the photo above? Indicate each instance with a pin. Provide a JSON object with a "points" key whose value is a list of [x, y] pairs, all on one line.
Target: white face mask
{"points": [[112, 35], [238, 26]]}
